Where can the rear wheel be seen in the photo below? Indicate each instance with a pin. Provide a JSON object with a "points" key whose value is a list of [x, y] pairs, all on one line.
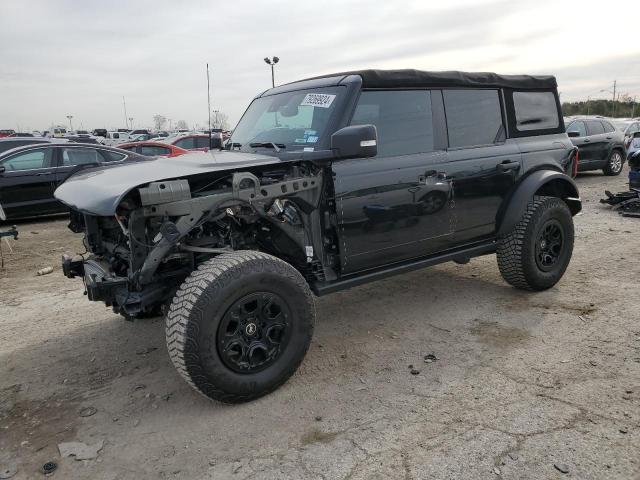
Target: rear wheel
{"points": [[536, 253], [240, 325], [614, 164]]}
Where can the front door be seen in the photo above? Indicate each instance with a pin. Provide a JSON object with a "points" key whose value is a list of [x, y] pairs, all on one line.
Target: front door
{"points": [[27, 183], [598, 141], [396, 205]]}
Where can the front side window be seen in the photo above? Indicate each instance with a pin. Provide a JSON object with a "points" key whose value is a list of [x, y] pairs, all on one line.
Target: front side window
{"points": [[31, 160], [79, 156], [473, 117], [403, 119], [295, 120], [535, 111], [187, 143], [577, 127], [608, 128]]}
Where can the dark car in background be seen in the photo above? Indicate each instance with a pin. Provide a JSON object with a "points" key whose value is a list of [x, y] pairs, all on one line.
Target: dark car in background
{"points": [[10, 143], [30, 174], [99, 132], [601, 145]]}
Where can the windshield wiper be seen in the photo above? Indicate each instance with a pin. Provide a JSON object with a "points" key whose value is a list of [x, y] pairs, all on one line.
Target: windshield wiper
{"points": [[275, 146]]}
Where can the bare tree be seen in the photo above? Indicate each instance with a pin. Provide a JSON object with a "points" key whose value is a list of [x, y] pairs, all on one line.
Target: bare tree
{"points": [[219, 119], [159, 121], [182, 125]]}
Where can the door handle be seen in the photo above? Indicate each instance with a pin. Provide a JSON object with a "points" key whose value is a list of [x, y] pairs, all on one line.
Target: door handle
{"points": [[42, 174], [508, 165], [609, 138], [586, 140]]}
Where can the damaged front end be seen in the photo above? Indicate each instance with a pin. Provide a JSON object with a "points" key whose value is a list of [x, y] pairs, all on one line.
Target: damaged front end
{"points": [[162, 230]]}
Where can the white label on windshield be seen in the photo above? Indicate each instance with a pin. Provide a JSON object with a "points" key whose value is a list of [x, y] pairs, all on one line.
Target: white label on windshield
{"points": [[322, 100]]}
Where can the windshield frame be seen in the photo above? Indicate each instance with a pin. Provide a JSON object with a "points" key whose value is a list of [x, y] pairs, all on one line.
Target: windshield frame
{"points": [[342, 93]]}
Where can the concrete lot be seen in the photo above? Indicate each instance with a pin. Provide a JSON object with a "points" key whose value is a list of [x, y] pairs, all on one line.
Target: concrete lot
{"points": [[524, 384]]}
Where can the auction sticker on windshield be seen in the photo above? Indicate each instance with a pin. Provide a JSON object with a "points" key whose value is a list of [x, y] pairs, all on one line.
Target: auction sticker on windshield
{"points": [[322, 100]]}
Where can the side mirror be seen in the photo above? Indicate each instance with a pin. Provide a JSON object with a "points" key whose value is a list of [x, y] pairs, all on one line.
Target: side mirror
{"points": [[2, 169], [216, 142], [355, 141], [573, 134]]}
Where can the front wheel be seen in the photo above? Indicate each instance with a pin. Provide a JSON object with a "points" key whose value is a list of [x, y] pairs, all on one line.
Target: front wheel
{"points": [[536, 253], [614, 164], [240, 325]]}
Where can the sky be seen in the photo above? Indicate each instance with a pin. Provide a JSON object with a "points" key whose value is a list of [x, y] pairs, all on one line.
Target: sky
{"points": [[80, 57]]}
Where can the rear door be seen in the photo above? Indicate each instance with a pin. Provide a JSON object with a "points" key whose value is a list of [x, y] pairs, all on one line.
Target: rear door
{"points": [[394, 206], [27, 183], [481, 166], [71, 159]]}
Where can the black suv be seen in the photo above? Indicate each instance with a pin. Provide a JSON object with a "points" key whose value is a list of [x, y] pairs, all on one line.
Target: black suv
{"points": [[325, 184], [601, 145]]}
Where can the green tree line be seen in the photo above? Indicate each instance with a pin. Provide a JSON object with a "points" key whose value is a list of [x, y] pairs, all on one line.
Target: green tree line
{"points": [[624, 108]]}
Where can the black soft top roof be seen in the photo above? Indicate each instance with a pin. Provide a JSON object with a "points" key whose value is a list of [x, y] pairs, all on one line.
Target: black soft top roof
{"points": [[419, 78]]}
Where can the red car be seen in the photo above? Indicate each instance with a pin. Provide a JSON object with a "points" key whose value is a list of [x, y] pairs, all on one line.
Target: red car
{"points": [[159, 149], [196, 141], [6, 133]]}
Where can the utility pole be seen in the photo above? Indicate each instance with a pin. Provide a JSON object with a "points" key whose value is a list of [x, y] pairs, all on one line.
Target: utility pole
{"points": [[69, 117], [209, 103], [124, 104], [614, 98], [131, 123]]}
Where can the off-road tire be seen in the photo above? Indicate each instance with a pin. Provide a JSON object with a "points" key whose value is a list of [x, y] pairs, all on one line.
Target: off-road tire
{"points": [[199, 306], [615, 163], [516, 252]]}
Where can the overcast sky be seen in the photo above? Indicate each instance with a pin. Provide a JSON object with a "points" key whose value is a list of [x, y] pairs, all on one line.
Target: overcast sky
{"points": [[80, 58]]}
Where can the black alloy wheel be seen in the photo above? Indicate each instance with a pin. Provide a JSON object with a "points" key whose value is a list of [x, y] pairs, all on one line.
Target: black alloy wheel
{"points": [[253, 332]]}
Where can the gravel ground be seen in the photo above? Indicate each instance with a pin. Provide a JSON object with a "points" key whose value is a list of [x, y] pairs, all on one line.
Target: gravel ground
{"points": [[524, 385]]}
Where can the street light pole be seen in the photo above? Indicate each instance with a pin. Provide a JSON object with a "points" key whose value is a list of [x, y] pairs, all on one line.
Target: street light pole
{"points": [[69, 117], [131, 122], [272, 62]]}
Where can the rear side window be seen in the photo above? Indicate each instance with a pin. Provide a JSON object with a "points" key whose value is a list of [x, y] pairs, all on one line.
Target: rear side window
{"points": [[473, 117], [578, 127], [403, 119], [608, 128], [187, 143], [79, 156], [535, 111], [112, 156], [154, 150], [594, 127]]}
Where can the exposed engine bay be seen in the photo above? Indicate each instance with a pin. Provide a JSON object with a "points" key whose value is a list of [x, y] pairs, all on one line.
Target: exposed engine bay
{"points": [[163, 230]]}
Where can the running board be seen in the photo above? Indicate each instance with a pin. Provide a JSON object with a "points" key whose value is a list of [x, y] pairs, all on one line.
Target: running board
{"points": [[323, 288]]}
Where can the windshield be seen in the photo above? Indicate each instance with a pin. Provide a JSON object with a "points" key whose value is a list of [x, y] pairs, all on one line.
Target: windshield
{"points": [[295, 121]]}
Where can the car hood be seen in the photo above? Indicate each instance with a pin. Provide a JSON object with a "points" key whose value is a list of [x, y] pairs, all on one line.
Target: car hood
{"points": [[99, 191]]}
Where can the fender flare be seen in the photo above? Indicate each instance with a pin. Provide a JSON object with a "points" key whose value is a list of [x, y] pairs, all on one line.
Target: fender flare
{"points": [[550, 182]]}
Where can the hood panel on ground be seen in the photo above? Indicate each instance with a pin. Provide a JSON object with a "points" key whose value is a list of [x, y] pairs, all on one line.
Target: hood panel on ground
{"points": [[99, 191]]}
